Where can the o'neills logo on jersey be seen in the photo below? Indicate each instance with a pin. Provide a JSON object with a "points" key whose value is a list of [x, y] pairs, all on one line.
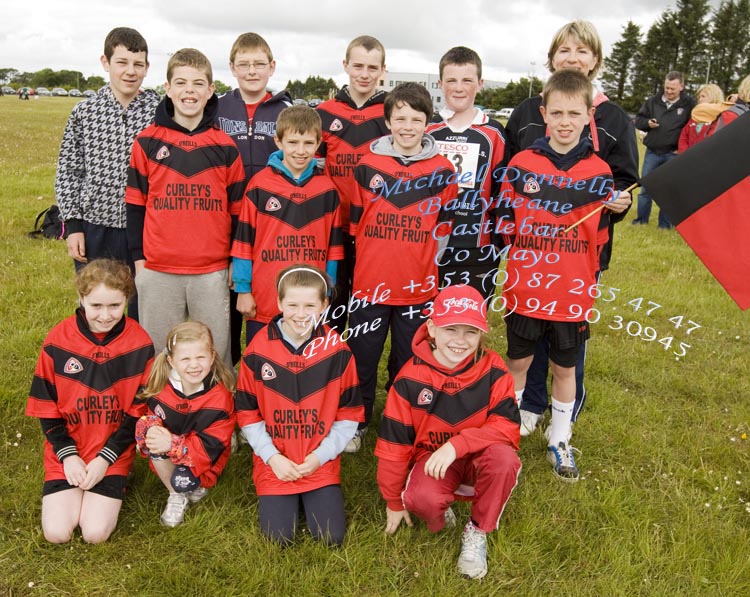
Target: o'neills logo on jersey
{"points": [[162, 153], [531, 186], [159, 412], [73, 365], [425, 397], [267, 372], [376, 182], [273, 204], [461, 305], [336, 125]]}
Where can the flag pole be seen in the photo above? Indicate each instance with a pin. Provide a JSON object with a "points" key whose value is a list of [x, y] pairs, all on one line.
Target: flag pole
{"points": [[598, 209]]}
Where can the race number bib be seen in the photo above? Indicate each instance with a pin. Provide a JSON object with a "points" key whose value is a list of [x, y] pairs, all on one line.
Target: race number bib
{"points": [[464, 157]]}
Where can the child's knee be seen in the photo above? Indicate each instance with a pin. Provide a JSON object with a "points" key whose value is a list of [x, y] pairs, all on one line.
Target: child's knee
{"points": [[426, 504], [498, 460], [58, 534], [94, 536]]}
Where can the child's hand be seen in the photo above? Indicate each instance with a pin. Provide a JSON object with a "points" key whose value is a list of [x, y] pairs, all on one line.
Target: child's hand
{"points": [[394, 518], [309, 466], [619, 202], [75, 470], [95, 471], [246, 304], [283, 468], [437, 464], [158, 440]]}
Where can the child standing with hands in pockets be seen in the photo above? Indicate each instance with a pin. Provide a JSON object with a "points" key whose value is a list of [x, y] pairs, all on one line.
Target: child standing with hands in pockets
{"points": [[451, 427], [188, 427], [298, 409]]}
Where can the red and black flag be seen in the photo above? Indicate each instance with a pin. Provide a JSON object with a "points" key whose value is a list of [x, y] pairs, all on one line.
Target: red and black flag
{"points": [[705, 193]]}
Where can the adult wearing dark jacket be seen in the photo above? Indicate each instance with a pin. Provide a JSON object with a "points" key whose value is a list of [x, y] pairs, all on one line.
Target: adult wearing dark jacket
{"points": [[662, 117]]}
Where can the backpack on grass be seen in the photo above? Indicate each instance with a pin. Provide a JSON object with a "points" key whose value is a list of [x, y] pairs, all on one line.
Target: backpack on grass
{"points": [[51, 225]]}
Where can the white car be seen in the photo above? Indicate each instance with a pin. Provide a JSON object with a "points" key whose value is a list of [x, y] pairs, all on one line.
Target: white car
{"points": [[504, 112]]}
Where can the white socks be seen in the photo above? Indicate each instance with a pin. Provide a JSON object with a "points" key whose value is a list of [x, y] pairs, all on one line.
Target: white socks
{"points": [[559, 427], [519, 396]]}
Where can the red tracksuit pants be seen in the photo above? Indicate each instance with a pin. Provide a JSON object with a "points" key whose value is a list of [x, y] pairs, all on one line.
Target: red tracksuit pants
{"points": [[493, 473]]}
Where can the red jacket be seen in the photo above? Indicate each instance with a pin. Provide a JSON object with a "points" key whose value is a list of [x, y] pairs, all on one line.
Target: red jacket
{"points": [[473, 406]]}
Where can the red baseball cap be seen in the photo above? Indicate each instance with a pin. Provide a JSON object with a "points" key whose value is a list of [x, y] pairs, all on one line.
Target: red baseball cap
{"points": [[460, 304]]}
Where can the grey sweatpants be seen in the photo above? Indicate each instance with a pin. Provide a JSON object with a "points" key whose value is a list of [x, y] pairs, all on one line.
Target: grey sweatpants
{"points": [[164, 300]]}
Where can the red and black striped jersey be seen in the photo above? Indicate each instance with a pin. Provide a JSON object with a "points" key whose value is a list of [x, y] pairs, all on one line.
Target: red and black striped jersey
{"points": [[206, 419], [298, 394], [190, 184], [348, 131], [392, 224], [478, 150], [472, 406], [91, 384], [550, 270], [282, 223]]}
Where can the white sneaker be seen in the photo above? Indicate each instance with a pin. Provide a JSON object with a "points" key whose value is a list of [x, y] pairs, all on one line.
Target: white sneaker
{"points": [[529, 421], [472, 562], [355, 443], [450, 518], [196, 495], [174, 513], [548, 432]]}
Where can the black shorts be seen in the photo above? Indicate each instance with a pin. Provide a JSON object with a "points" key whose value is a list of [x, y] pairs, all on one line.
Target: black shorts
{"points": [[565, 338], [112, 486]]}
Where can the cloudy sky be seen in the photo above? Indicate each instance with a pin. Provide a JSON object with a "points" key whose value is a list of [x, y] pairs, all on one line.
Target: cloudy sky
{"points": [[308, 37]]}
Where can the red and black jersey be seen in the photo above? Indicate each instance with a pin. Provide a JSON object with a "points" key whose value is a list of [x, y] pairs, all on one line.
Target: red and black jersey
{"points": [[476, 153], [550, 270], [206, 419], [298, 394], [91, 384], [393, 224], [283, 222], [472, 406], [348, 131], [189, 183]]}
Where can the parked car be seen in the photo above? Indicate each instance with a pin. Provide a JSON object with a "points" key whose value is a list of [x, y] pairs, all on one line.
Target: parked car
{"points": [[8, 90], [314, 102], [75, 93], [490, 112], [89, 93], [59, 92], [504, 112], [43, 91], [299, 102]]}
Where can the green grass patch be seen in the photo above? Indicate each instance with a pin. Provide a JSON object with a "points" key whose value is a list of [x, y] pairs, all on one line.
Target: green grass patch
{"points": [[662, 508]]}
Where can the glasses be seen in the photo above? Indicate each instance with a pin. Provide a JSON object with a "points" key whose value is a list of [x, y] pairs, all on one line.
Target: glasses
{"points": [[243, 67]]}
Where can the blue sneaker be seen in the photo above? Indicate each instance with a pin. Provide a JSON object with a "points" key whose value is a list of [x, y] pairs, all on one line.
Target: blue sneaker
{"points": [[472, 562], [562, 461]]}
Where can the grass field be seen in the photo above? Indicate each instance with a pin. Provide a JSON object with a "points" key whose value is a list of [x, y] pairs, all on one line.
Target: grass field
{"points": [[663, 506]]}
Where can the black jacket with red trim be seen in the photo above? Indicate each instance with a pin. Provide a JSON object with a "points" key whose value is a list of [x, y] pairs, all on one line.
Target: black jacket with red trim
{"points": [[298, 394], [472, 406], [83, 388]]}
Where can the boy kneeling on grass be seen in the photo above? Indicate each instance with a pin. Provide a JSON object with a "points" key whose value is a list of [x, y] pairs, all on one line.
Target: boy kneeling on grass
{"points": [[451, 427]]}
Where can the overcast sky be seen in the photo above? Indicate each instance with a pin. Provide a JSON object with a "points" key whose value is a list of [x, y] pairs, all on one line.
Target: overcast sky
{"points": [[308, 38]]}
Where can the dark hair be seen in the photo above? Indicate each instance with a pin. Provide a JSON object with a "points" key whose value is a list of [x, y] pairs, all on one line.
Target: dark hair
{"points": [[461, 55], [127, 37], [113, 274], [299, 119], [413, 95], [674, 75], [570, 83]]}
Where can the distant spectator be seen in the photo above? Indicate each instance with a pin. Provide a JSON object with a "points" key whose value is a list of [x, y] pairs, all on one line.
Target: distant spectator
{"points": [[662, 117], [697, 128], [741, 106]]}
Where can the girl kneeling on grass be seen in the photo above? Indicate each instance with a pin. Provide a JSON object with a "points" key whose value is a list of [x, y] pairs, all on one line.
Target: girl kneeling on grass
{"points": [[188, 427], [451, 428], [88, 373], [298, 409]]}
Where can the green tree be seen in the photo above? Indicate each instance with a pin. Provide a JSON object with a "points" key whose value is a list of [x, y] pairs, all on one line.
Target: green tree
{"points": [[511, 95], [691, 30], [221, 87], [619, 66], [658, 56], [94, 82], [729, 44], [7, 75], [313, 87]]}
